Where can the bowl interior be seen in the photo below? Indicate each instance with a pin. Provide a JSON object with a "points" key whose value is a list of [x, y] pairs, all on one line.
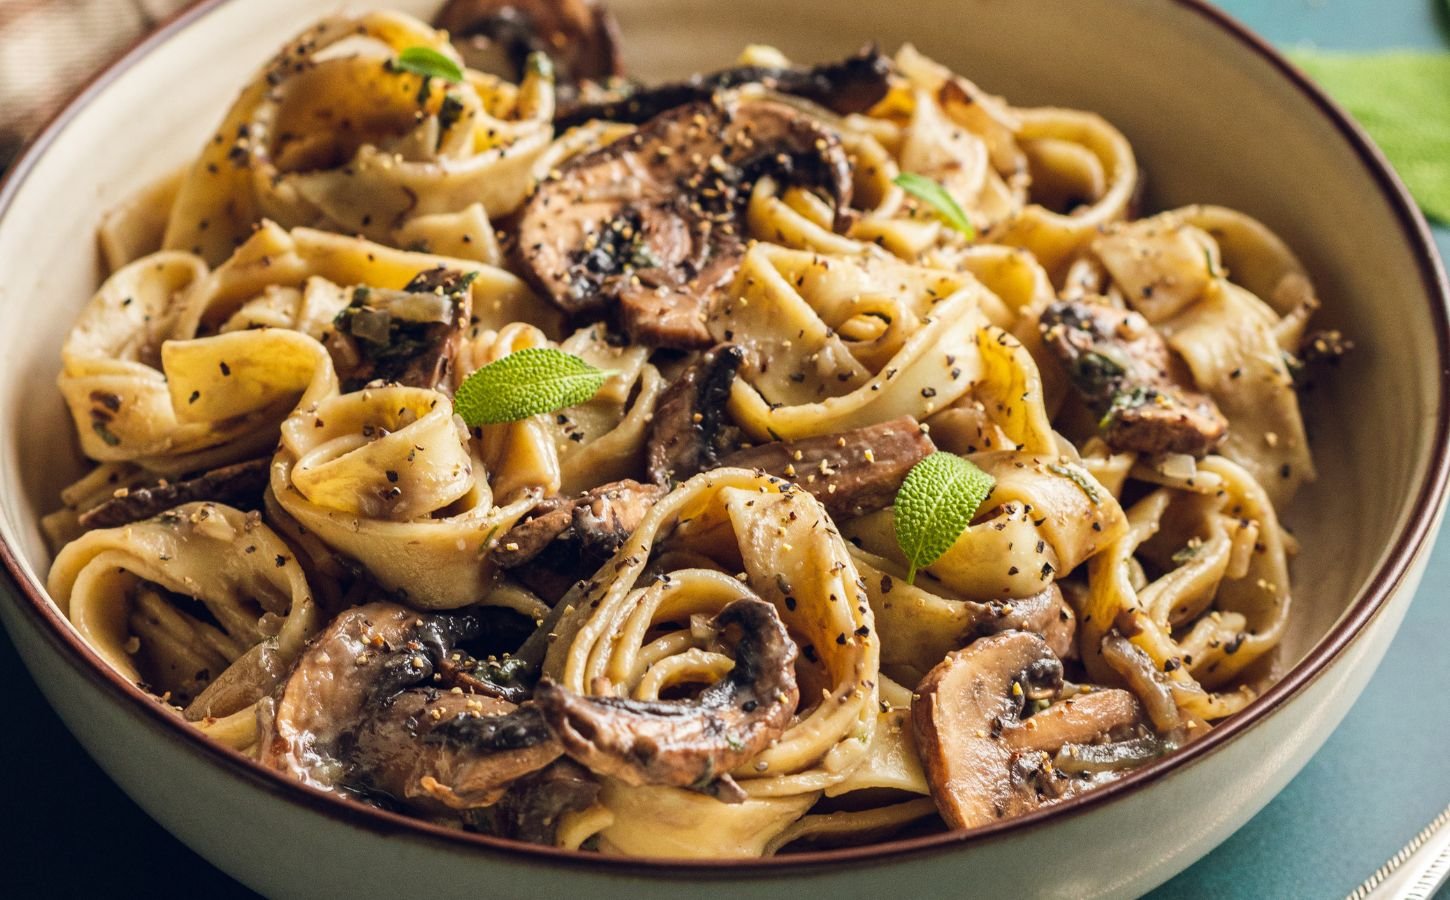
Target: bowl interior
{"points": [[1210, 120]]}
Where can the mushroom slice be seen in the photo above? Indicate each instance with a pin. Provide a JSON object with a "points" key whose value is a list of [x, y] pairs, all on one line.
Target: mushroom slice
{"points": [[1151, 685], [983, 760], [578, 532], [851, 473], [852, 85], [240, 485], [689, 743], [648, 229], [691, 430], [1124, 370], [580, 37], [531, 810], [350, 713], [431, 749]]}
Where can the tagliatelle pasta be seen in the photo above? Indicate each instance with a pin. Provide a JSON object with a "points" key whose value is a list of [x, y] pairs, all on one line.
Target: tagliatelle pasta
{"points": [[667, 598]]}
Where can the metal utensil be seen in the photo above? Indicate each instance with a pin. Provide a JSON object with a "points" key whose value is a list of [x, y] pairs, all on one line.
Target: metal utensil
{"points": [[1416, 872]]}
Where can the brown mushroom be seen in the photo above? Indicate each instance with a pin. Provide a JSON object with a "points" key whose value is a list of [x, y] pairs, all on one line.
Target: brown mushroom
{"points": [[852, 85], [435, 750], [687, 743], [851, 473], [579, 36], [351, 715], [648, 229], [531, 809], [565, 539], [1145, 680], [239, 485], [983, 759], [1125, 371], [691, 430], [1045, 613]]}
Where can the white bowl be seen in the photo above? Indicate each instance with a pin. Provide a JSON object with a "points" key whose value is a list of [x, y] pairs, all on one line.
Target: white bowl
{"points": [[1214, 115]]}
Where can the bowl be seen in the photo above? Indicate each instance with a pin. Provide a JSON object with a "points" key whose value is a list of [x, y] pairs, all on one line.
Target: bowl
{"points": [[1214, 115]]}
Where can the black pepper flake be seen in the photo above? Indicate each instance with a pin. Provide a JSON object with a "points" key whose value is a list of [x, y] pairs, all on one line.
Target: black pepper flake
{"points": [[841, 638], [790, 603], [226, 369], [1285, 471], [809, 652], [195, 396], [281, 560], [886, 584], [1046, 570], [1013, 570], [863, 631]]}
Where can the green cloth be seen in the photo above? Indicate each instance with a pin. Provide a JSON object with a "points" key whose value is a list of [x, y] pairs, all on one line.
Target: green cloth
{"points": [[1402, 99]]}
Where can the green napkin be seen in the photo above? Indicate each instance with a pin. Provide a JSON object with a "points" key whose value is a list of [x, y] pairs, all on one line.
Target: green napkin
{"points": [[1402, 99]]}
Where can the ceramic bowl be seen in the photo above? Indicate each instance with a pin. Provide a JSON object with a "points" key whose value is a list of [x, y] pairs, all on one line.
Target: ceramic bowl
{"points": [[1214, 116]]}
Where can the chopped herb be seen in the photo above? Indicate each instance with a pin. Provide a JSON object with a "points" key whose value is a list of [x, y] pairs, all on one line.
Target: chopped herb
{"points": [[1079, 478], [937, 197], [428, 63]]}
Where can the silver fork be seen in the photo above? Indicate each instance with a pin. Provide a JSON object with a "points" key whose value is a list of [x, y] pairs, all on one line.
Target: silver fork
{"points": [[1415, 873]]}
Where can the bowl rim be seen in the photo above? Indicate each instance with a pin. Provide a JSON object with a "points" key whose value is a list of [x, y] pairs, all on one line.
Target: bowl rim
{"points": [[1387, 577]]}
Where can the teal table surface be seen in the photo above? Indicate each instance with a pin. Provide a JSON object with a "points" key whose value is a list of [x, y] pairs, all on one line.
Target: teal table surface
{"points": [[1381, 777]]}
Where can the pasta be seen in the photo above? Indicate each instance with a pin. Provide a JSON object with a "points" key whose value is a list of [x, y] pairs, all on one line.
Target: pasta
{"points": [[668, 602]]}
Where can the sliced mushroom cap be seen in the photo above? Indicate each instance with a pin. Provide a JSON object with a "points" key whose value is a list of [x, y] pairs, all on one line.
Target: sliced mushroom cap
{"points": [[566, 539], [238, 485], [983, 760], [531, 809], [436, 750], [1045, 613], [648, 229], [1125, 371], [691, 430], [687, 743], [852, 85], [851, 473], [579, 36], [350, 714]]}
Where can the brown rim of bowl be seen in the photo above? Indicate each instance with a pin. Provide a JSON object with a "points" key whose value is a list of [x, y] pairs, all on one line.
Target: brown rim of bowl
{"points": [[1382, 583]]}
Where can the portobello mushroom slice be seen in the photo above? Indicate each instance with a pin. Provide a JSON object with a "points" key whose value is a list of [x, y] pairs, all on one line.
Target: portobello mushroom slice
{"points": [[580, 37], [1125, 371], [648, 230], [531, 809], [354, 715], [578, 532], [409, 336], [687, 743], [852, 85], [432, 750], [984, 759], [850, 473], [240, 485], [691, 429]]}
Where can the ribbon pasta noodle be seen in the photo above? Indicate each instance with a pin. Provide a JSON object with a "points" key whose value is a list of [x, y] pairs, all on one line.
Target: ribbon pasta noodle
{"points": [[677, 614]]}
